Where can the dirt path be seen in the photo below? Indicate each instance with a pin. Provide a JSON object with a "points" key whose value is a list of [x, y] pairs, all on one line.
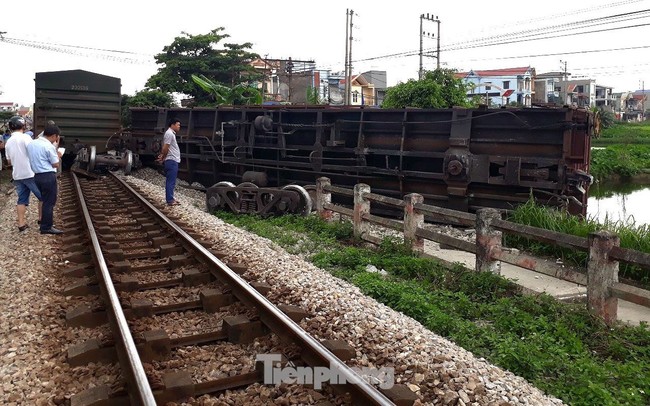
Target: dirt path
{"points": [[6, 188]]}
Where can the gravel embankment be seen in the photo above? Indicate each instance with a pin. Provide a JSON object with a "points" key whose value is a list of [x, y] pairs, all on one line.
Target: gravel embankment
{"points": [[32, 347]]}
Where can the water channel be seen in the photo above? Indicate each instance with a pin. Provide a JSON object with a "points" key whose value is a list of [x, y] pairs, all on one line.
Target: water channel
{"points": [[626, 201]]}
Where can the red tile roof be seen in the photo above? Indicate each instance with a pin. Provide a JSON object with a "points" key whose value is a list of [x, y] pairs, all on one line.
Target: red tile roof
{"points": [[496, 72]]}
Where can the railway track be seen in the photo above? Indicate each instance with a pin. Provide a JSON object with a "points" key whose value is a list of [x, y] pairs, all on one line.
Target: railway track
{"points": [[182, 320]]}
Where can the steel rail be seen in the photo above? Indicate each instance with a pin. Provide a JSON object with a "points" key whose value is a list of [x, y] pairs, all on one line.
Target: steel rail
{"points": [[130, 362], [274, 318]]}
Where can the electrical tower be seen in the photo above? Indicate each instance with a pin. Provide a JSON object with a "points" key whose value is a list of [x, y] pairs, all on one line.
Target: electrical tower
{"points": [[429, 35]]}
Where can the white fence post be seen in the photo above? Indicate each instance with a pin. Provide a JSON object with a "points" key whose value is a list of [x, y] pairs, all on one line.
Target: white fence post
{"points": [[361, 208], [323, 197], [487, 238], [602, 272], [412, 220]]}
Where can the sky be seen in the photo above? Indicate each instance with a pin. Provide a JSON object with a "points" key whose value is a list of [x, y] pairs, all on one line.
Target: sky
{"points": [[608, 41]]}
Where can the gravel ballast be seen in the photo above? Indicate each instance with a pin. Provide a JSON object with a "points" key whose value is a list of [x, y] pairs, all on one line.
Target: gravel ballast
{"points": [[34, 339]]}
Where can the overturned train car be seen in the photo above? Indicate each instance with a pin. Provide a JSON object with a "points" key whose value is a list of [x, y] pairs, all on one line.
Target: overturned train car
{"points": [[462, 159], [87, 108]]}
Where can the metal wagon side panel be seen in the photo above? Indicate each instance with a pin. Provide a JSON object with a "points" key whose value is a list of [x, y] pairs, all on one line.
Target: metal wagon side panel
{"points": [[85, 105]]}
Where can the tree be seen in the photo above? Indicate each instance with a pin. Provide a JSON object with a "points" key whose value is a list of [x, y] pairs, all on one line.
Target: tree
{"points": [[313, 95], [236, 95], [144, 98], [605, 118], [227, 64], [437, 89]]}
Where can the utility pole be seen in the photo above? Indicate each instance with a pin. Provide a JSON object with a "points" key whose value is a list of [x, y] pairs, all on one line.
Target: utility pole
{"points": [[643, 100], [348, 76], [566, 84], [429, 35], [438, 46], [347, 34]]}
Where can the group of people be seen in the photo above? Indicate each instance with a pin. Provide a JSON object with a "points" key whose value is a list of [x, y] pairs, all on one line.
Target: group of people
{"points": [[35, 162], [34, 165]]}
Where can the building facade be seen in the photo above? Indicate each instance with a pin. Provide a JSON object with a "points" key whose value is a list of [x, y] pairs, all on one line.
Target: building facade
{"points": [[501, 87]]}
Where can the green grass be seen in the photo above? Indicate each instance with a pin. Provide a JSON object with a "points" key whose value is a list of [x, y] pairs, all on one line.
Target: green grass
{"points": [[632, 236], [621, 160], [629, 132], [626, 153], [558, 347]]}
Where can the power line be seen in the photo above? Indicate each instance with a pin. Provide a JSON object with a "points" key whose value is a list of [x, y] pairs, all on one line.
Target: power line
{"points": [[559, 53], [82, 51], [555, 28], [565, 13], [514, 41], [483, 42]]}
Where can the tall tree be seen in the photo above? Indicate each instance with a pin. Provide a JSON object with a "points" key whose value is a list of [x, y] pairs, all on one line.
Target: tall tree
{"points": [[144, 98], [202, 54], [437, 89]]}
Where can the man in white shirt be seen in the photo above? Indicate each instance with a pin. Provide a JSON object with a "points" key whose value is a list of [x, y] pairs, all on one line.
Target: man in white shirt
{"points": [[23, 176], [170, 157]]}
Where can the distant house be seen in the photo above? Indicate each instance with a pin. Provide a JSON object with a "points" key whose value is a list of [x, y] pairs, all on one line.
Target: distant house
{"points": [[579, 93], [636, 106], [501, 87], [548, 90], [7, 106], [364, 91], [376, 91], [25, 111], [287, 80], [290, 81]]}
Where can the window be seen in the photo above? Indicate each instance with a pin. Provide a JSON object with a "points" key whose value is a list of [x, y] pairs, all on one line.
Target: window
{"points": [[488, 87], [506, 84], [580, 89], [355, 96]]}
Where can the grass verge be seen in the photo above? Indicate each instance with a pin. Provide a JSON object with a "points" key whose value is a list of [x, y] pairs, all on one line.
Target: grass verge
{"points": [[632, 236], [558, 347]]}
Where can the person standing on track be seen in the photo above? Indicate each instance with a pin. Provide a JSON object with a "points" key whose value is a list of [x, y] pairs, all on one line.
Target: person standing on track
{"points": [[170, 157], [44, 160], [23, 176]]}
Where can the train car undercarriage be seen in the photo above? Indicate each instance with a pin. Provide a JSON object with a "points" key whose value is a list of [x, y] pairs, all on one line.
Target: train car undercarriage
{"points": [[461, 159]]}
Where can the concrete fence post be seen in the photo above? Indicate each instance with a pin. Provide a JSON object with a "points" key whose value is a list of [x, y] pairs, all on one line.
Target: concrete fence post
{"points": [[602, 272], [361, 207], [487, 239], [412, 220], [323, 197]]}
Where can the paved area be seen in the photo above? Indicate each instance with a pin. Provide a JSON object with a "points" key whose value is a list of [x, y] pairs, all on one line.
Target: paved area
{"points": [[537, 283]]}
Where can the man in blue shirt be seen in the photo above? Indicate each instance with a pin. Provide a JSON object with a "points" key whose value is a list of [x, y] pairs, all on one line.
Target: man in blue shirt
{"points": [[44, 160]]}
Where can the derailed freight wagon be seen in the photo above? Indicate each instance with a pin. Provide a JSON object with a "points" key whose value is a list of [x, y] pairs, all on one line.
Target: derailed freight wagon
{"points": [[87, 108], [85, 105], [461, 159]]}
